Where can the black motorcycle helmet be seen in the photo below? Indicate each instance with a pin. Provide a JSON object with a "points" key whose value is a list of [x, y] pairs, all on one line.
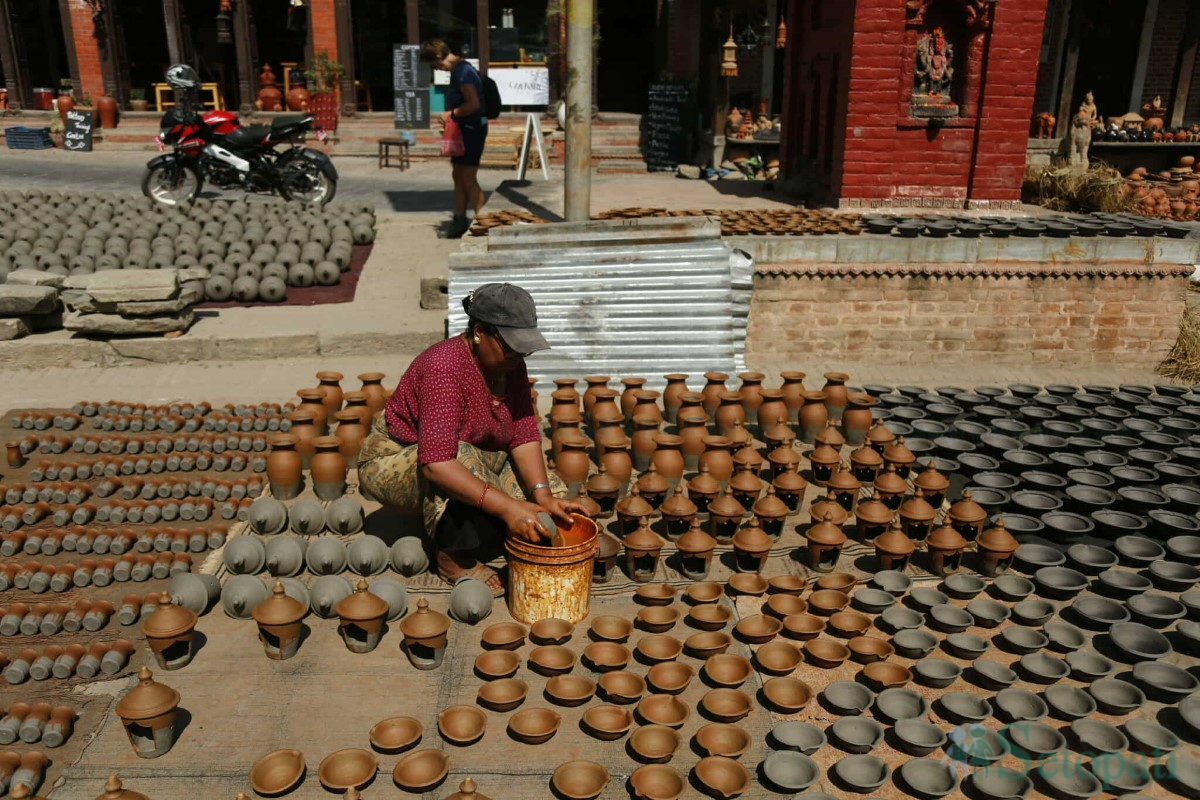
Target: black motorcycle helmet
{"points": [[183, 77]]}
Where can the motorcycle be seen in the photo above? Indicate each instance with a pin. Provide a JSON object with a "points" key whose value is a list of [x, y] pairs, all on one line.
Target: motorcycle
{"points": [[215, 147]]}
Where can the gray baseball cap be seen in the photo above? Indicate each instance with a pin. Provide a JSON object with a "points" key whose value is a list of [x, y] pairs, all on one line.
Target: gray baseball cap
{"points": [[511, 309]]}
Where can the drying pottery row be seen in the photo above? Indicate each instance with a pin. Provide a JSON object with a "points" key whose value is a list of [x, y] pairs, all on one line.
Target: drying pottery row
{"points": [[62, 662], [285, 556], [307, 517], [36, 722], [100, 541], [22, 773], [22, 619], [734, 222], [40, 578]]}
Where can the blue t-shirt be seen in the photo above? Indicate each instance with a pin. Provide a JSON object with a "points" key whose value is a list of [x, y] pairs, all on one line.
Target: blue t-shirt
{"points": [[463, 73]]}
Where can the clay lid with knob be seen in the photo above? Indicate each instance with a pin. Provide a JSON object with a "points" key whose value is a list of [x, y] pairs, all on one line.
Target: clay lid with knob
{"points": [[945, 538], [997, 539], [746, 481], [361, 605], [873, 512], [726, 505], [967, 510], [752, 539], [633, 505], [826, 532], [695, 541], [591, 509], [704, 483], [831, 436], [650, 482], [824, 454], [880, 433], [677, 505], [931, 480], [113, 790], [898, 453], [147, 700], [866, 456], [279, 608], [917, 508], [609, 546], [169, 621], [888, 481], [769, 506], [424, 623], [780, 431], [643, 539], [789, 480], [747, 458], [603, 483], [844, 480], [466, 790], [894, 541]]}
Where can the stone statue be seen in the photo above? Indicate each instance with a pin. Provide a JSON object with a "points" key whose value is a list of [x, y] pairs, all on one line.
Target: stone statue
{"points": [[1045, 125], [933, 77], [1080, 139], [1088, 110]]}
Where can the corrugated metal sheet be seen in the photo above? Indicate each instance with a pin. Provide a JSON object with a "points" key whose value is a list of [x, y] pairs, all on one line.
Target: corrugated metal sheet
{"points": [[620, 297]]}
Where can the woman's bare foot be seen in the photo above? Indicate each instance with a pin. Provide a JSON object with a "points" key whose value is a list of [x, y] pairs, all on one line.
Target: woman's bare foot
{"points": [[454, 564]]}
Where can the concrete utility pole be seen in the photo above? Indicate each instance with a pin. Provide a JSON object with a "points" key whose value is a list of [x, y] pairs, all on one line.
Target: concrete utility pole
{"points": [[578, 179]]}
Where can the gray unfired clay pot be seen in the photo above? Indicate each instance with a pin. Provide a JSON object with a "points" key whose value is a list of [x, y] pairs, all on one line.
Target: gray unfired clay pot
{"points": [[367, 555], [394, 593], [267, 516], [284, 556], [197, 592], [307, 517], [326, 556], [344, 516], [241, 594], [470, 600], [325, 592], [244, 555], [409, 557]]}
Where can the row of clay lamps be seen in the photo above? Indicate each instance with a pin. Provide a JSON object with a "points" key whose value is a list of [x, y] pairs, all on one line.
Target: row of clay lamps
{"points": [[112, 466], [22, 773], [114, 512], [28, 620], [78, 539], [68, 490], [39, 578], [65, 661], [40, 722], [131, 445]]}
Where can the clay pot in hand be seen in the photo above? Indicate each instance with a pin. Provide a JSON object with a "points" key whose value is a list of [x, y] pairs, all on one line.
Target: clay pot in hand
{"points": [[695, 552], [996, 547], [751, 547], [285, 473], [361, 617], [148, 713], [328, 468], [168, 630], [967, 517], [279, 619], [916, 517], [836, 394], [825, 540], [856, 419], [893, 549], [945, 546], [642, 551]]}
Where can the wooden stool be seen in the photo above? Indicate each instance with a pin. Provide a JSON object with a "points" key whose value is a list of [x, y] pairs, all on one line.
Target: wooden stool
{"points": [[385, 153]]}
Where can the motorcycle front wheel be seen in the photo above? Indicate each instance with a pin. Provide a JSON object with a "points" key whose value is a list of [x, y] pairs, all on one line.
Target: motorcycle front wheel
{"points": [[172, 184], [303, 180]]}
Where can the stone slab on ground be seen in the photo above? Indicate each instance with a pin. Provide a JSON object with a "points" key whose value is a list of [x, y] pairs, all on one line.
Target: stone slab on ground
{"points": [[13, 328], [16, 300], [35, 277], [121, 285], [123, 326]]}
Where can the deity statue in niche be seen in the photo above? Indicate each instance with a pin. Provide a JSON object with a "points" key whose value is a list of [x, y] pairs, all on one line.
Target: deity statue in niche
{"points": [[933, 77]]}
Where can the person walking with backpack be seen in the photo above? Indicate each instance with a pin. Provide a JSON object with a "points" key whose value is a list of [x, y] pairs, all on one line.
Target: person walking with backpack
{"points": [[468, 106]]}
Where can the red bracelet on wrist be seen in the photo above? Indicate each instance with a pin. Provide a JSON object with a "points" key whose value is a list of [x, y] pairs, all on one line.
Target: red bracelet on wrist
{"points": [[483, 494]]}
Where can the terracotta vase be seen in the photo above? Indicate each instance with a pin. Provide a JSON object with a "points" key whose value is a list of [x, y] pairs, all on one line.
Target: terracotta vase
{"points": [[569, 426], [793, 393], [692, 401], [856, 419], [65, 103], [608, 430], [729, 413], [667, 457], [693, 429], [304, 428], [616, 460], [835, 394], [350, 432], [298, 98], [604, 407], [107, 108], [356, 402], [628, 396], [330, 386], [285, 471], [563, 405], [751, 395], [713, 390], [16, 459], [594, 384], [646, 405], [676, 386], [314, 400], [813, 416], [372, 387], [716, 459], [572, 464], [328, 468], [567, 387], [773, 410], [644, 431]]}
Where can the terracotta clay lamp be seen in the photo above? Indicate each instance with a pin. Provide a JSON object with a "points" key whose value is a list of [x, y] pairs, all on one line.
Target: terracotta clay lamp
{"points": [[654, 743], [658, 647], [570, 690], [996, 547], [611, 628], [725, 514], [462, 725], [872, 518], [886, 675], [751, 548], [608, 549], [495, 664], [777, 658], [669, 677], [932, 484], [845, 488], [551, 630], [899, 456], [916, 517], [748, 583], [967, 517], [579, 780], [421, 770], [787, 695], [945, 546], [504, 694], [784, 605], [802, 626], [168, 630], [664, 709], [678, 513], [277, 772], [551, 659], [148, 713], [893, 549], [890, 488], [695, 552], [869, 649], [467, 790], [622, 687], [789, 488], [534, 725], [395, 734], [745, 487], [705, 592], [866, 464], [721, 776], [849, 624], [657, 619], [709, 617], [826, 653], [352, 768], [503, 636], [633, 512], [707, 643], [828, 506], [607, 723], [655, 594], [361, 617], [606, 656], [280, 625], [823, 460], [825, 540], [722, 739], [758, 628], [879, 436], [642, 550], [703, 489], [727, 670]]}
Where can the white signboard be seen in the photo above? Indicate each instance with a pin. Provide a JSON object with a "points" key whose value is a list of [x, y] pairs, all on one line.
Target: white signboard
{"points": [[522, 86]]}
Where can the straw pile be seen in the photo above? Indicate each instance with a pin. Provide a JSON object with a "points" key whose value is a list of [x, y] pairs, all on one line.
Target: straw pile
{"points": [[1183, 362], [1099, 188]]}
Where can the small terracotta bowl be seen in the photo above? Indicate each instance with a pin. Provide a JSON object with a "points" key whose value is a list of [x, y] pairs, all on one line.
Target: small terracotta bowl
{"points": [[657, 782], [551, 631], [534, 725], [462, 725], [705, 592], [784, 605], [750, 583], [708, 643], [654, 744], [722, 739], [886, 675], [777, 658], [827, 601], [658, 647], [502, 695], [503, 636], [710, 617], [610, 628], [622, 687], [802, 626], [579, 780], [607, 723], [663, 709], [551, 659], [826, 653], [655, 594], [494, 664], [570, 690], [840, 581], [277, 772], [726, 705], [395, 734], [352, 768], [758, 628], [727, 670], [849, 624], [786, 584], [787, 695], [869, 649], [670, 677], [421, 770], [723, 776], [606, 656], [657, 619]]}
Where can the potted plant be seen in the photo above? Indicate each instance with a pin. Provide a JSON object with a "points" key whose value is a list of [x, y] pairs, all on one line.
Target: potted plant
{"points": [[137, 100], [322, 76], [57, 127]]}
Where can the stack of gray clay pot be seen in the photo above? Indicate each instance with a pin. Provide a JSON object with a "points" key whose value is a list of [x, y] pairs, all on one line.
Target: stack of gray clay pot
{"points": [[132, 301], [24, 309]]}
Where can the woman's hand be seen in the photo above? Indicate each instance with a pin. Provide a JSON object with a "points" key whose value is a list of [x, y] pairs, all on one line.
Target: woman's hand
{"points": [[561, 510], [445, 115], [522, 522]]}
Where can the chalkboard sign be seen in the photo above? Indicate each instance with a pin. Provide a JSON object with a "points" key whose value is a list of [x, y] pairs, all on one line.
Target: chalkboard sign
{"points": [[664, 138], [407, 70], [77, 133], [412, 109]]}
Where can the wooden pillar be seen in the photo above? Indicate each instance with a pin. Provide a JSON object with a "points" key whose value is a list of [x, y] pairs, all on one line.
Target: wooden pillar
{"points": [[412, 21], [64, 13], [1187, 64], [243, 43], [110, 52], [766, 87], [177, 49], [485, 38], [16, 80], [1143, 56], [1054, 52], [1070, 68], [345, 47]]}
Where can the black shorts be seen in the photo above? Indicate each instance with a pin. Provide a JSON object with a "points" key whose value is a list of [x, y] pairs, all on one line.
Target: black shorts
{"points": [[474, 135]]}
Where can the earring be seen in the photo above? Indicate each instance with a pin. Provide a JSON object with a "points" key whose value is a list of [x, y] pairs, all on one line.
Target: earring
{"points": [[476, 340]]}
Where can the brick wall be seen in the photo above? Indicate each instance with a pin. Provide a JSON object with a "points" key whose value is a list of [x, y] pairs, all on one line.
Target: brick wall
{"points": [[1089, 320], [322, 21], [1168, 33], [87, 50]]}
